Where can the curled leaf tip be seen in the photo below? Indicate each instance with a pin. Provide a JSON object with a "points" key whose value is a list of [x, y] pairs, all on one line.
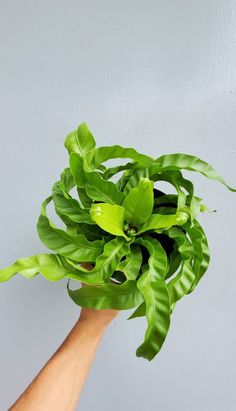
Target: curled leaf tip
{"points": [[182, 217]]}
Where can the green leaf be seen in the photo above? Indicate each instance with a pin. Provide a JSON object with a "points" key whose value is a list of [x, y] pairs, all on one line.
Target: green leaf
{"points": [[76, 247], [132, 263], [139, 312], [179, 161], [176, 178], [77, 170], [154, 290], [105, 264], [80, 141], [102, 190], [69, 207], [195, 207], [133, 179], [175, 261], [123, 180], [85, 200], [66, 207], [181, 283], [105, 153], [157, 262], [107, 296], [109, 217], [91, 232], [96, 187], [66, 182], [191, 200], [49, 265], [201, 251], [70, 225], [139, 202], [110, 172], [157, 221], [193, 203]]}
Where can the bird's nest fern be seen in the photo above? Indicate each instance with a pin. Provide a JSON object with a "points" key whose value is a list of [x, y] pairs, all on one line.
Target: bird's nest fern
{"points": [[146, 247]]}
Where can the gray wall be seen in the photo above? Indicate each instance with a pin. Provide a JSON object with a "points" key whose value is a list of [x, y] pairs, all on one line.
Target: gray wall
{"points": [[160, 76]]}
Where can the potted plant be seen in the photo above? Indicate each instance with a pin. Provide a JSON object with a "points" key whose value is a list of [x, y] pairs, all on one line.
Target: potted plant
{"points": [[146, 248]]}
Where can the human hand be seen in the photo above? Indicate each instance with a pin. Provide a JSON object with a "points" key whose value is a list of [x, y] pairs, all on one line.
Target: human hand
{"points": [[59, 384], [100, 318]]}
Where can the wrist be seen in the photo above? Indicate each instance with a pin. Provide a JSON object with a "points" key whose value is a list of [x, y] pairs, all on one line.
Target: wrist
{"points": [[93, 326], [98, 318]]}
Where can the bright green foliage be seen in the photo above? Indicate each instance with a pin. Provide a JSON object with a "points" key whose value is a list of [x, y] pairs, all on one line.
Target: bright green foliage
{"points": [[138, 203], [146, 247], [110, 217], [118, 297]]}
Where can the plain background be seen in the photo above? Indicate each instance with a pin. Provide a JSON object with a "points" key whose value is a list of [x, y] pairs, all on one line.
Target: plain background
{"points": [[156, 75]]}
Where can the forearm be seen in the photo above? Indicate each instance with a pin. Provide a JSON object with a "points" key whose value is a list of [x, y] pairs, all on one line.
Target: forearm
{"points": [[60, 382]]}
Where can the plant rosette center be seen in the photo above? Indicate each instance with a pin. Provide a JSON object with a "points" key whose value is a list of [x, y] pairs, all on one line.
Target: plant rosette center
{"points": [[129, 229]]}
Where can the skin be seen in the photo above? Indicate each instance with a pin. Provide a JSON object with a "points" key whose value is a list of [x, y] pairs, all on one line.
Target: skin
{"points": [[59, 384]]}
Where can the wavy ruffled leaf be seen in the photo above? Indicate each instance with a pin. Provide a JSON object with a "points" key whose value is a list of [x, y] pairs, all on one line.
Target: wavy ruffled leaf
{"points": [[107, 296], [102, 190], [105, 153], [176, 178], [70, 207], [173, 177], [139, 202], [193, 201], [110, 217], [181, 283], [201, 251], [188, 186], [92, 232], [141, 309], [49, 265], [110, 172], [194, 204], [180, 161], [155, 293], [70, 225], [156, 297], [130, 266], [76, 247], [105, 264], [175, 260], [96, 187]]}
